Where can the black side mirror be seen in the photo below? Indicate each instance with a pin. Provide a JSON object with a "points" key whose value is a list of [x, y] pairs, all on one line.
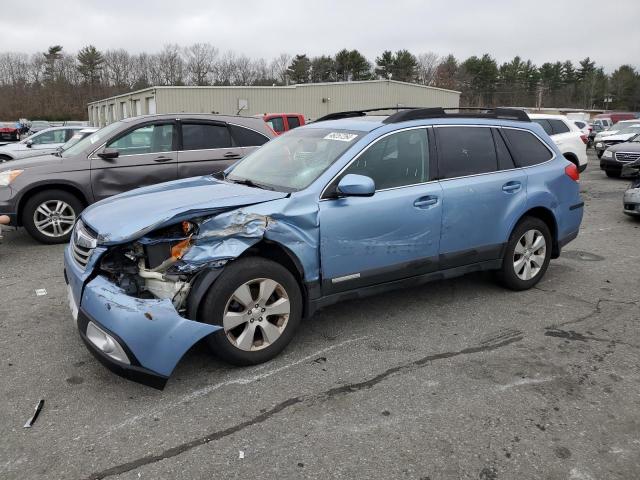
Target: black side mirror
{"points": [[109, 154]]}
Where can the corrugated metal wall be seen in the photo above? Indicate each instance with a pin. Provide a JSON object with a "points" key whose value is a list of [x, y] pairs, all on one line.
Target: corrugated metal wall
{"points": [[312, 100]]}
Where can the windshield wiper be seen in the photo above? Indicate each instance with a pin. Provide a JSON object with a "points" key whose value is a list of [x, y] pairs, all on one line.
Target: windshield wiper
{"points": [[221, 175], [249, 183]]}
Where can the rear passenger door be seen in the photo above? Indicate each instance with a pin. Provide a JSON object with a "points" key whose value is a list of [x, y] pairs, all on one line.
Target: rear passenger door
{"points": [[483, 193], [206, 147]]}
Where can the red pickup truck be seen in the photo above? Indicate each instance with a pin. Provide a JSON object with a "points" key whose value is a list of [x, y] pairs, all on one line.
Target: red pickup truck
{"points": [[283, 122]]}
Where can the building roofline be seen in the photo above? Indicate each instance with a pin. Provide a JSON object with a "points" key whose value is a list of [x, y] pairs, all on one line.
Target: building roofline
{"points": [[266, 87]]}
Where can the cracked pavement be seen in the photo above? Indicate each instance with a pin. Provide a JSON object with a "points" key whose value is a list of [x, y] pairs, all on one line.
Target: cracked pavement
{"points": [[455, 379]]}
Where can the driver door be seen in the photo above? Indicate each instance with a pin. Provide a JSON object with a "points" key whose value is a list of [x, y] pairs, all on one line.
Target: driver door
{"points": [[147, 155], [393, 234]]}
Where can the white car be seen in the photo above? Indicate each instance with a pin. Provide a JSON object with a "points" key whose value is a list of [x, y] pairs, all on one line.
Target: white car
{"points": [[41, 143], [583, 126], [566, 135], [611, 131]]}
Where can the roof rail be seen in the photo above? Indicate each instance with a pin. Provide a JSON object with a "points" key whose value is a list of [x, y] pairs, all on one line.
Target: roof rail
{"points": [[360, 113], [440, 112]]}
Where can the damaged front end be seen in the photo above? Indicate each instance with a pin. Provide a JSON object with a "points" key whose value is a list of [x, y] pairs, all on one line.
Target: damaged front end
{"points": [[134, 310]]}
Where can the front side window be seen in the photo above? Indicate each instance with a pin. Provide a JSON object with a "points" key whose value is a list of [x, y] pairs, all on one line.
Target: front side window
{"points": [[465, 151], [396, 160], [203, 136], [147, 139], [51, 136], [295, 160], [527, 148], [276, 124]]}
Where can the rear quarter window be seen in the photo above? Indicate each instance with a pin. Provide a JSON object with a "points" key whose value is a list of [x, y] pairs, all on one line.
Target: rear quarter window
{"points": [[246, 137], [559, 126], [526, 147]]}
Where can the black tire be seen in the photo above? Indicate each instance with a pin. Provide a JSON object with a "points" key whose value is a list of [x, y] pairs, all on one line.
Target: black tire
{"points": [[46, 196], [5, 158], [599, 153], [612, 174], [507, 274], [236, 274]]}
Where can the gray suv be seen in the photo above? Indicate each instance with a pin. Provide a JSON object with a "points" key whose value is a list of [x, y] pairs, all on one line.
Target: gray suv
{"points": [[45, 194]]}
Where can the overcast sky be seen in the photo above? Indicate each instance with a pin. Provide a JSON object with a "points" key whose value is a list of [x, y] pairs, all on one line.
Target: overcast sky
{"points": [[542, 30]]}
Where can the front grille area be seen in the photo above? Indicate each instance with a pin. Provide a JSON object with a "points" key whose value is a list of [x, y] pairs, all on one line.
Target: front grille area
{"points": [[627, 156], [83, 242]]}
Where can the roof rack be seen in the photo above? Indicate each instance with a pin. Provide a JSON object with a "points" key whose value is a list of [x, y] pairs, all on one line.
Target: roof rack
{"points": [[440, 112], [360, 113]]}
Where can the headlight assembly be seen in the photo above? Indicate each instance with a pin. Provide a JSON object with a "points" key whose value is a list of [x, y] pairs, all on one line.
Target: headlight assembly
{"points": [[607, 154], [8, 176]]}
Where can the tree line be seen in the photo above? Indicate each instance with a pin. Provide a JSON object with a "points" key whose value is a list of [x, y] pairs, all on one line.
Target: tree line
{"points": [[57, 85]]}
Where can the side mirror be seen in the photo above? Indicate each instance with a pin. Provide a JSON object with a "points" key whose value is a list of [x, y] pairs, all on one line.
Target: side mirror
{"points": [[29, 143], [109, 154], [352, 185]]}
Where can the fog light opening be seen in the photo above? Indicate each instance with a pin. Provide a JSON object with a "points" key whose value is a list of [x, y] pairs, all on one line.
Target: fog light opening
{"points": [[106, 343]]}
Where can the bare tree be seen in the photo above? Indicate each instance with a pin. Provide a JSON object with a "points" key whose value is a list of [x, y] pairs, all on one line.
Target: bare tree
{"points": [[246, 73], [427, 66], [279, 66], [227, 69], [201, 64], [118, 68], [170, 65]]}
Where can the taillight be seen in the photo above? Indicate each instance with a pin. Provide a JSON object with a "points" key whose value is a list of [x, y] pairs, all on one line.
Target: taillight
{"points": [[585, 139], [572, 172]]}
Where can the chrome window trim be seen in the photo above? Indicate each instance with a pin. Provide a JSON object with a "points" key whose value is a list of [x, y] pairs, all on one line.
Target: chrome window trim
{"points": [[553, 156]]}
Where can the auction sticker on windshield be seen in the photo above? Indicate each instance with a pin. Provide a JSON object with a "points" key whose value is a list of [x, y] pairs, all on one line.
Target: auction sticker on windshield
{"points": [[340, 136]]}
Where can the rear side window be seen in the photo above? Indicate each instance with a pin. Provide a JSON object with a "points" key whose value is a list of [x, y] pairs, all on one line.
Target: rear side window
{"points": [[293, 122], [526, 147], [465, 151], [276, 124], [559, 126], [202, 136], [580, 124], [246, 137], [544, 123]]}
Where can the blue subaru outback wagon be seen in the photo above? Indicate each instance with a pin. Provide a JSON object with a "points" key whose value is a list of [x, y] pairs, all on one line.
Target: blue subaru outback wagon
{"points": [[351, 205]]}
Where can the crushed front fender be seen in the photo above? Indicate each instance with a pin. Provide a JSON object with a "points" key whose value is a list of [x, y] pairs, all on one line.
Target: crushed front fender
{"points": [[150, 331]]}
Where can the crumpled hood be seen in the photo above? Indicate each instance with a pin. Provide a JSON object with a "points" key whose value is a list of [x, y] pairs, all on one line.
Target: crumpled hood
{"points": [[128, 216]]}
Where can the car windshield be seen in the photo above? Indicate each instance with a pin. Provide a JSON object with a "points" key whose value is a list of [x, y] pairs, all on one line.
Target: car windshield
{"points": [[294, 160], [633, 128], [40, 125], [75, 139], [92, 139]]}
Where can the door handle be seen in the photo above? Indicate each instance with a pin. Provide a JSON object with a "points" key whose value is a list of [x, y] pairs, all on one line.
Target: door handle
{"points": [[424, 202], [511, 187], [231, 155], [162, 159]]}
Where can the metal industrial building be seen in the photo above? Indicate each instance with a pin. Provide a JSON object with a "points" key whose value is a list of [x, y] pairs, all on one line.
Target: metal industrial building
{"points": [[313, 100]]}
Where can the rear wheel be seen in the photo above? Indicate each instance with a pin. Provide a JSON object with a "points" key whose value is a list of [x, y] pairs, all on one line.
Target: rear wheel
{"points": [[258, 304], [49, 216], [527, 255]]}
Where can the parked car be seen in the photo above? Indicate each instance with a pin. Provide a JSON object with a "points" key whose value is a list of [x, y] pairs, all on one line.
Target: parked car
{"points": [[283, 122], [621, 135], [76, 123], [48, 192], [595, 129], [41, 143], [38, 125], [566, 135], [77, 136], [612, 130], [340, 208], [617, 156], [631, 199], [610, 118], [9, 131], [584, 127]]}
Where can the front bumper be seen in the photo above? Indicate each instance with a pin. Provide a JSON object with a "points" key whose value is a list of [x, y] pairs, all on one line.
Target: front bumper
{"points": [[610, 164], [152, 334], [631, 202]]}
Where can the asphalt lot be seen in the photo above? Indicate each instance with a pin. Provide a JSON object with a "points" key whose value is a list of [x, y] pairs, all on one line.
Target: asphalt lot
{"points": [[458, 379]]}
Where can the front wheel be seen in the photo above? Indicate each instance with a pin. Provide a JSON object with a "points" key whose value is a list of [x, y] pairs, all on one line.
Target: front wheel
{"points": [[527, 255], [49, 216], [612, 174], [258, 304]]}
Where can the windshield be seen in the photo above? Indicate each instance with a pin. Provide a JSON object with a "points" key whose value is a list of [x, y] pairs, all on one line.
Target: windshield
{"points": [[92, 139], [633, 128], [40, 125], [75, 139], [620, 126], [294, 160]]}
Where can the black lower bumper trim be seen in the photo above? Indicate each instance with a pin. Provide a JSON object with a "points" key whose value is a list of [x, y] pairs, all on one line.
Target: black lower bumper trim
{"points": [[130, 372], [563, 241], [576, 206]]}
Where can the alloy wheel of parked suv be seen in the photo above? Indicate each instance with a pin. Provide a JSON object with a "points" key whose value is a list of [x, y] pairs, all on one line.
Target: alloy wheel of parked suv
{"points": [[49, 216], [529, 254], [259, 305]]}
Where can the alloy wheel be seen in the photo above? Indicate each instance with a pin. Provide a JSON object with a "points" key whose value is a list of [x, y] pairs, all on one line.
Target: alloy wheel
{"points": [[256, 315], [529, 254], [54, 218]]}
